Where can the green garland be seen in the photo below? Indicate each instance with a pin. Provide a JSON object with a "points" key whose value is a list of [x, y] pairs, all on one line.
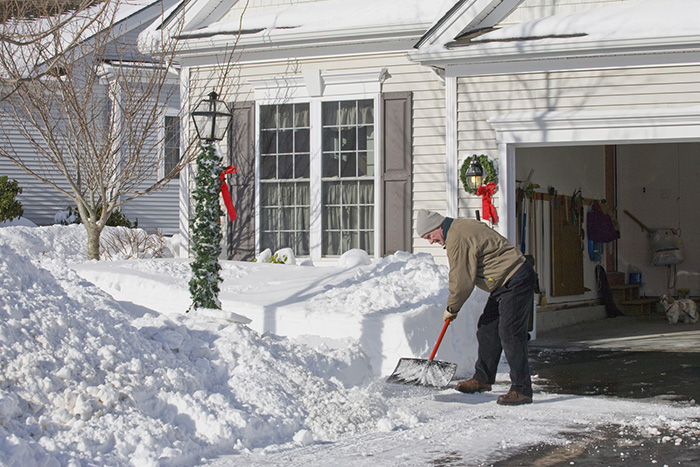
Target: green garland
{"points": [[489, 172], [206, 230]]}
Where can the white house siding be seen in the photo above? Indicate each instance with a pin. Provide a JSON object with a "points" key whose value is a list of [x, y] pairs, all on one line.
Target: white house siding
{"points": [[484, 97], [428, 109], [652, 88], [40, 201], [158, 210]]}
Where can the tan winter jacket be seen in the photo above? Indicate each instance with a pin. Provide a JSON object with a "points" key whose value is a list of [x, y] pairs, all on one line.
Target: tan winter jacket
{"points": [[478, 256]]}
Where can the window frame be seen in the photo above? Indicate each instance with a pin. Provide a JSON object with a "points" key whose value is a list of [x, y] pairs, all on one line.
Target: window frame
{"points": [[315, 162], [259, 179], [169, 113]]}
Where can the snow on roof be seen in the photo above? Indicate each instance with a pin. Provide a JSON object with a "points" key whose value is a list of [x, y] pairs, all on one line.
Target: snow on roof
{"points": [[629, 20], [79, 27], [330, 15]]}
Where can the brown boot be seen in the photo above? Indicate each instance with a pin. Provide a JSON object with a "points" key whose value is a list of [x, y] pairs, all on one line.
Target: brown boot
{"points": [[472, 385], [514, 398]]}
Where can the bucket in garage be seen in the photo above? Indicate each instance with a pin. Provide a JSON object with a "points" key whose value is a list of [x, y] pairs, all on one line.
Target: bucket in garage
{"points": [[635, 275]]}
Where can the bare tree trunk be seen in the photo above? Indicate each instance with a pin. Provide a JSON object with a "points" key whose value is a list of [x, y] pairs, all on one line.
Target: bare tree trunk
{"points": [[93, 241], [93, 227]]}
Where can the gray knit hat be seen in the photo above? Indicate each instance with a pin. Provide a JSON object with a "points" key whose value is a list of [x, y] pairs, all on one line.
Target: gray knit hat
{"points": [[428, 221]]}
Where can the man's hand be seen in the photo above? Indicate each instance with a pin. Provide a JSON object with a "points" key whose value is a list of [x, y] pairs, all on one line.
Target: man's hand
{"points": [[449, 315]]}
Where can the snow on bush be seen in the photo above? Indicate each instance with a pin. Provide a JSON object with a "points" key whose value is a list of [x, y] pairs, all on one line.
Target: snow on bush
{"points": [[69, 242]]}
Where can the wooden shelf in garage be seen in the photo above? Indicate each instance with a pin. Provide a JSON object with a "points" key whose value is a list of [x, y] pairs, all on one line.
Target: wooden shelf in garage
{"points": [[639, 306], [626, 297]]}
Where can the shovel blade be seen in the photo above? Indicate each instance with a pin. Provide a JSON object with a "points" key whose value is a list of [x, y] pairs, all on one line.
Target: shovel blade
{"points": [[421, 372]]}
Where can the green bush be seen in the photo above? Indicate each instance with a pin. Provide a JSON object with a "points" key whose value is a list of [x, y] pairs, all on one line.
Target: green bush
{"points": [[10, 208], [116, 219], [275, 259], [119, 219]]}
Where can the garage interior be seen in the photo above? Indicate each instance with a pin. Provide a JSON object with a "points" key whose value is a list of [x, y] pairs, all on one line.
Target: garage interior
{"points": [[649, 189]]}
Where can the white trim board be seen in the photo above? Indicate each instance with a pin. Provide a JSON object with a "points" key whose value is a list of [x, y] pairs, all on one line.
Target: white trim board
{"points": [[313, 83], [592, 127]]}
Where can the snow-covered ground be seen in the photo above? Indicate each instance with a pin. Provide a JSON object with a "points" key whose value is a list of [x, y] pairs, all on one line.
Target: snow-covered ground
{"points": [[102, 366]]}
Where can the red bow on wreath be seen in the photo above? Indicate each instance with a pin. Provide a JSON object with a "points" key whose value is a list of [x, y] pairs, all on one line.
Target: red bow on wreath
{"points": [[225, 193], [486, 191]]}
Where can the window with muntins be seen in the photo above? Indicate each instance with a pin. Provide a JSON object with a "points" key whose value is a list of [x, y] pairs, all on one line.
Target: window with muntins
{"points": [[348, 177], [338, 180], [285, 177], [171, 145]]}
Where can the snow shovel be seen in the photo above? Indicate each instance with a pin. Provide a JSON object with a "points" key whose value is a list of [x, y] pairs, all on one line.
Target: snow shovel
{"points": [[421, 372]]}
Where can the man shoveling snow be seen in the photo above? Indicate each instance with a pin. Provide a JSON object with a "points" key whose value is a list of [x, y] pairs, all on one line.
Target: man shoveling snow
{"points": [[480, 257]]}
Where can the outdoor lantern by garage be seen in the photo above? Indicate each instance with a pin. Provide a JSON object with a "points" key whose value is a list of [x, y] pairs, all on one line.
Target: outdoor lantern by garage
{"points": [[475, 174], [211, 118]]}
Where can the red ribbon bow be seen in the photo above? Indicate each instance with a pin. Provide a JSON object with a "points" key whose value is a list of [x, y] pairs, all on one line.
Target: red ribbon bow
{"points": [[486, 191], [225, 193]]}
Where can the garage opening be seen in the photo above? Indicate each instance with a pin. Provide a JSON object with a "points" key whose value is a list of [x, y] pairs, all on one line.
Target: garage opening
{"points": [[646, 188]]}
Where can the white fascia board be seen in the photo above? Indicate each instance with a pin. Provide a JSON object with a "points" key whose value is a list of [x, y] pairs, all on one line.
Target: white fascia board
{"points": [[592, 127], [562, 54], [108, 71], [282, 37], [213, 57], [466, 15], [201, 13], [209, 51]]}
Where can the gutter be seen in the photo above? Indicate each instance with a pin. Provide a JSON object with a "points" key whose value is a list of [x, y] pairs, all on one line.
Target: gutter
{"points": [[520, 50], [289, 39]]}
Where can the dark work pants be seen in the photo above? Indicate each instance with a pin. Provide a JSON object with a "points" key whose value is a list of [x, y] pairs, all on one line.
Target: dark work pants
{"points": [[503, 327]]}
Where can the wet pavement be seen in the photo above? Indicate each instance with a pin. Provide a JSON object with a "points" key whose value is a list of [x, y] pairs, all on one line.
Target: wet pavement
{"points": [[628, 357], [627, 374], [611, 447]]}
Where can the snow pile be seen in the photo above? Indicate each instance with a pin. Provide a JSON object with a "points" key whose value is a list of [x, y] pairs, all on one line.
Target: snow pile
{"points": [[390, 285], [69, 242], [392, 307], [86, 379], [126, 377]]}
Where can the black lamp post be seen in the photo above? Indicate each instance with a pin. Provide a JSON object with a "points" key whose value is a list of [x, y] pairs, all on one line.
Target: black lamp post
{"points": [[475, 174], [211, 118]]}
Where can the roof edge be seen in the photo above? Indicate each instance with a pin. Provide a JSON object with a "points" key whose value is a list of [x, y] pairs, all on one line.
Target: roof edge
{"points": [[466, 15]]}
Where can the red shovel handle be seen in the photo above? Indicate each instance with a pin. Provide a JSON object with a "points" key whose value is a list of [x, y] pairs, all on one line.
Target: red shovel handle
{"points": [[444, 328]]}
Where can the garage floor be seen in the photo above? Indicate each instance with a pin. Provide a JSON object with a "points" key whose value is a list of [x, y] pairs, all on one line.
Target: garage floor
{"points": [[632, 333]]}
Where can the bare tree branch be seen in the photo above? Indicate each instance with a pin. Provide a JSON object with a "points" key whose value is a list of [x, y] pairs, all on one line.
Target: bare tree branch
{"points": [[94, 122], [35, 32]]}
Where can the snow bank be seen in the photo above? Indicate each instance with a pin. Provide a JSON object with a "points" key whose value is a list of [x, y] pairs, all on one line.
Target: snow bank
{"points": [[391, 307], [87, 380]]}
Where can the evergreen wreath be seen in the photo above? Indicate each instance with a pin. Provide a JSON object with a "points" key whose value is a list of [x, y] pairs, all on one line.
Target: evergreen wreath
{"points": [[489, 172]]}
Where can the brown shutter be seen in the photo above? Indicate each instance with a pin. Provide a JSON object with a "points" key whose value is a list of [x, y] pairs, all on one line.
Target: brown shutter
{"points": [[241, 149], [397, 114]]}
